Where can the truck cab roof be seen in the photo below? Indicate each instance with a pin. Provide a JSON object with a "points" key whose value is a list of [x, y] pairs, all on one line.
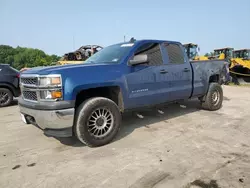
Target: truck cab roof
{"points": [[150, 40], [143, 41]]}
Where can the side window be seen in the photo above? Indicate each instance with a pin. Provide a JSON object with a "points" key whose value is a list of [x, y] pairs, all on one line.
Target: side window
{"points": [[153, 51], [175, 54]]}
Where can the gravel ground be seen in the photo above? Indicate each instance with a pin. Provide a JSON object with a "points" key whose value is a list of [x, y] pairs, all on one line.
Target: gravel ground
{"points": [[184, 147]]}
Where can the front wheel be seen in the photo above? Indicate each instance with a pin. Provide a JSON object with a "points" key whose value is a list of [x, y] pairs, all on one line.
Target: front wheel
{"points": [[214, 97], [97, 121], [6, 97]]}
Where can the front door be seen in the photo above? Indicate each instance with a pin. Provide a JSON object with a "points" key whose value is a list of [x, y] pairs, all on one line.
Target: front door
{"points": [[147, 83]]}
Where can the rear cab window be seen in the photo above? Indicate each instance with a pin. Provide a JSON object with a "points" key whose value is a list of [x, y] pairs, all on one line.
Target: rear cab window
{"points": [[153, 51], [175, 53]]}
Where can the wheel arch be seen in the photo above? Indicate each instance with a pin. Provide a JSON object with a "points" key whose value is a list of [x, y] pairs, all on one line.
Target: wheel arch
{"points": [[9, 87], [112, 92], [214, 78]]}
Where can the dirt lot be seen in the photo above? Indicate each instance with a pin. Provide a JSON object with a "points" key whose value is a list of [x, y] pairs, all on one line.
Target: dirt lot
{"points": [[185, 147]]}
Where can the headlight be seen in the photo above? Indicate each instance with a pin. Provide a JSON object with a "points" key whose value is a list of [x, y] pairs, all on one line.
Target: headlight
{"points": [[50, 81], [51, 87]]}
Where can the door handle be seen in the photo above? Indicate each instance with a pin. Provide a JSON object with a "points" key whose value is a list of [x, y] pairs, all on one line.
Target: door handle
{"points": [[186, 70], [163, 71]]}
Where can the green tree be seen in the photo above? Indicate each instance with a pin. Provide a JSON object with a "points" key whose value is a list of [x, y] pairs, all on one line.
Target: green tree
{"points": [[21, 57], [6, 54]]}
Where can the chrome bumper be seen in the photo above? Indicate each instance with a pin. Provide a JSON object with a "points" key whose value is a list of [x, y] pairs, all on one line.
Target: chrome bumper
{"points": [[50, 119]]}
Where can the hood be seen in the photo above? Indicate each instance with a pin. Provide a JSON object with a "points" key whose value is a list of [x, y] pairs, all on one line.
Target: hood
{"points": [[62, 68]]}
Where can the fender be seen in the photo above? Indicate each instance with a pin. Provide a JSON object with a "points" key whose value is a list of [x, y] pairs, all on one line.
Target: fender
{"points": [[121, 99], [76, 90], [80, 88]]}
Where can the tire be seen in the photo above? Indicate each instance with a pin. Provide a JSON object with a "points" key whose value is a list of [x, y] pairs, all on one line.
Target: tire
{"points": [[214, 97], [97, 121], [6, 97]]}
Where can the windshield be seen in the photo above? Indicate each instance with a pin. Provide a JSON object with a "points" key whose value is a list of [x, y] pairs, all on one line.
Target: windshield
{"points": [[229, 53], [242, 54], [193, 51], [236, 54], [246, 54], [217, 52], [110, 54]]}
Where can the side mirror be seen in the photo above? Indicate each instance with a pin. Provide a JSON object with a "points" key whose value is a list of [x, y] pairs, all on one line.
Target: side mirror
{"points": [[139, 59]]}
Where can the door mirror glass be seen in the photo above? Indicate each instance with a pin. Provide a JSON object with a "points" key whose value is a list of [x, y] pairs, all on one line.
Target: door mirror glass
{"points": [[139, 59]]}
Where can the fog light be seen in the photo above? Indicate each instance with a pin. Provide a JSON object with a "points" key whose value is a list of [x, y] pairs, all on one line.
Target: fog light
{"points": [[56, 94]]}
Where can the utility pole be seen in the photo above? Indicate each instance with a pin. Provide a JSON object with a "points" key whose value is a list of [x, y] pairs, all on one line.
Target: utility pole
{"points": [[73, 42]]}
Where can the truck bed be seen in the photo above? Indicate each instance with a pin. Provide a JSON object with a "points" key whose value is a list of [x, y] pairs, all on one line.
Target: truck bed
{"points": [[202, 71]]}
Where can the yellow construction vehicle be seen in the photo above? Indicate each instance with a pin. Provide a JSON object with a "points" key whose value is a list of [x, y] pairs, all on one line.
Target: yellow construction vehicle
{"points": [[239, 63], [241, 58], [223, 53], [236, 58], [80, 55], [192, 52], [242, 53]]}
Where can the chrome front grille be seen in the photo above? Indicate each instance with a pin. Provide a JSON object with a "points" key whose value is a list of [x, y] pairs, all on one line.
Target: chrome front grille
{"points": [[30, 95], [29, 81], [29, 85], [34, 90]]}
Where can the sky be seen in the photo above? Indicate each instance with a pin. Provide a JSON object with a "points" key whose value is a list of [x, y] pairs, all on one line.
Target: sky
{"points": [[60, 26]]}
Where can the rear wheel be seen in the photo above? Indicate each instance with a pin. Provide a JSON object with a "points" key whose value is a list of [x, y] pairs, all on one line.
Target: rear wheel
{"points": [[97, 121], [214, 97], [6, 97]]}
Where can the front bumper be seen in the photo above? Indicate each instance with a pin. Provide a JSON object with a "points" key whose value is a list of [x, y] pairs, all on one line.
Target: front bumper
{"points": [[56, 123]]}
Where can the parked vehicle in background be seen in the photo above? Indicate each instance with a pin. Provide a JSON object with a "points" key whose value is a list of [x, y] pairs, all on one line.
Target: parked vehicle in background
{"points": [[86, 100], [80, 55], [241, 61], [192, 52], [9, 84]]}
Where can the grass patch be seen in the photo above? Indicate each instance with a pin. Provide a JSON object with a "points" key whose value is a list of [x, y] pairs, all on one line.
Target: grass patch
{"points": [[240, 85]]}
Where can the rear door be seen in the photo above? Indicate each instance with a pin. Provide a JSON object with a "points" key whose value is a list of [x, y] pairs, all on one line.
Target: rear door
{"points": [[147, 82], [179, 70]]}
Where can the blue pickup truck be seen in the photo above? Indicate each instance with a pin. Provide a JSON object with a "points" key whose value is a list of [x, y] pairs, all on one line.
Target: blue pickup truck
{"points": [[87, 100]]}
